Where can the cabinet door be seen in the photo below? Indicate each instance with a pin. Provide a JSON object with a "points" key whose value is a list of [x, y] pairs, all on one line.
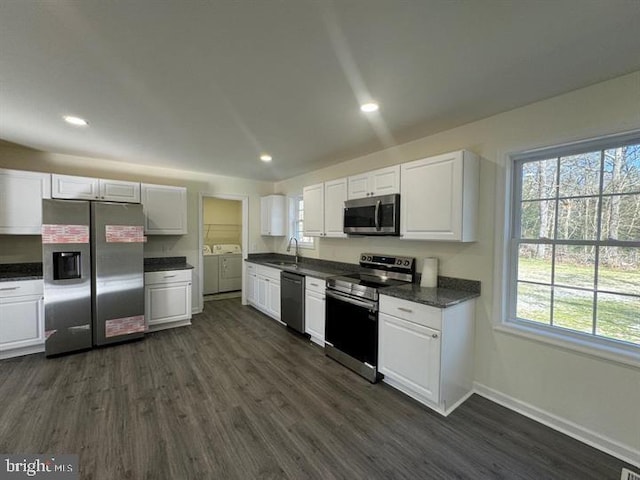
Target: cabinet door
{"points": [[211, 274], [167, 303], [252, 288], [265, 216], [75, 188], [314, 310], [432, 198], [410, 355], [21, 322], [313, 197], [335, 194], [21, 195], [119, 191], [273, 215], [261, 299], [165, 209], [358, 186], [385, 181], [273, 298]]}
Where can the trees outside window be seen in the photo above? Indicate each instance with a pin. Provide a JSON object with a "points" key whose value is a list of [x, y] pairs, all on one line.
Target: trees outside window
{"points": [[575, 240]]}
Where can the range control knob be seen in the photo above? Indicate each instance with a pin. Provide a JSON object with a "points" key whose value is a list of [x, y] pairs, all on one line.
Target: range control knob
{"points": [[369, 259], [406, 263], [363, 258], [398, 262]]}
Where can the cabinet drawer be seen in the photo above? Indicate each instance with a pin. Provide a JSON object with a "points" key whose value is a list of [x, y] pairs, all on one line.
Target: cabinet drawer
{"points": [[252, 268], [315, 285], [411, 311], [273, 273], [169, 276], [21, 288]]}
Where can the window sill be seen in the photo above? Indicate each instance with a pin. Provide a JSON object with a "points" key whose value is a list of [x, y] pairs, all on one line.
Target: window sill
{"points": [[598, 349]]}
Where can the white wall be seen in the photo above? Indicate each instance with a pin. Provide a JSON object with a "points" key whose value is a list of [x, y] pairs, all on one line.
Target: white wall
{"points": [[16, 248], [598, 396]]}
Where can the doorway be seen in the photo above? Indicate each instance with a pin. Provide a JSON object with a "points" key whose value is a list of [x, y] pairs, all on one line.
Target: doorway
{"points": [[223, 244]]}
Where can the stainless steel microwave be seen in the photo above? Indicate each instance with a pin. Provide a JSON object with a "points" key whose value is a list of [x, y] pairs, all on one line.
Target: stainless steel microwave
{"points": [[373, 215]]}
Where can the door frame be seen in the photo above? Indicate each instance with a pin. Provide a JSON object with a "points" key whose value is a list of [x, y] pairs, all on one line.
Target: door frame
{"points": [[245, 238]]}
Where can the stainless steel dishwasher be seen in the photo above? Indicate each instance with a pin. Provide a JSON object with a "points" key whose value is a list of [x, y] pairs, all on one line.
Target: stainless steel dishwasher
{"points": [[292, 300]]}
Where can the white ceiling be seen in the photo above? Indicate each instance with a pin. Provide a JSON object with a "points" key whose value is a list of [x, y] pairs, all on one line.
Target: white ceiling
{"points": [[206, 85]]}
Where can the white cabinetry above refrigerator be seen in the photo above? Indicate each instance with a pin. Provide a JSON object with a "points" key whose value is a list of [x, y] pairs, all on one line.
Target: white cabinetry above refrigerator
{"points": [[89, 188]]}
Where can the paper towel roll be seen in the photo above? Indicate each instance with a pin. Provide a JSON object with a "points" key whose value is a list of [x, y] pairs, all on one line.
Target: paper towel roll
{"points": [[429, 273]]}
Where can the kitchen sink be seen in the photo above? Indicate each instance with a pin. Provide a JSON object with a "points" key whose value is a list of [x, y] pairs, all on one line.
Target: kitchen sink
{"points": [[284, 264]]}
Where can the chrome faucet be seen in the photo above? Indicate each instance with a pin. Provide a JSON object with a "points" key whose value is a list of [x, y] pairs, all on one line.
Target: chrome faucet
{"points": [[289, 247]]}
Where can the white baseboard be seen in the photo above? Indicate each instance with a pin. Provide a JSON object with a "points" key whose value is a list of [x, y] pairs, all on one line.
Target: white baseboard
{"points": [[584, 435], [19, 352]]}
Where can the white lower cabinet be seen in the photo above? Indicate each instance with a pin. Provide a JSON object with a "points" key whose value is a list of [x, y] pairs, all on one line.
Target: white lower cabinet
{"points": [[314, 309], [427, 352], [21, 318], [263, 290], [167, 299]]}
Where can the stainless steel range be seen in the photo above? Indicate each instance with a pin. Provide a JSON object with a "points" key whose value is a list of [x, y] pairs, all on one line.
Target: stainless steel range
{"points": [[351, 335]]}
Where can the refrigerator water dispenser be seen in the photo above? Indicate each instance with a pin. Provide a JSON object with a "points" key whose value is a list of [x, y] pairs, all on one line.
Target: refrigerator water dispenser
{"points": [[66, 265]]}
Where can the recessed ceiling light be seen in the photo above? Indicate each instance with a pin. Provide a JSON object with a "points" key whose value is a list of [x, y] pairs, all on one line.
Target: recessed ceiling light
{"points": [[77, 121], [369, 107], [265, 158]]}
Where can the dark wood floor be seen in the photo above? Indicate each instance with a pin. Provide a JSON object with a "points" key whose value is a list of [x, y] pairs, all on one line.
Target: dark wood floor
{"points": [[238, 396]]}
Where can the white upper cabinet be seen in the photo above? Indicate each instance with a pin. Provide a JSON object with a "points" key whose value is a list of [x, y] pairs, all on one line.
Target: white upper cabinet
{"points": [[165, 209], [21, 195], [314, 210], [76, 188], [385, 181], [273, 215], [119, 191], [88, 188], [335, 194], [324, 208], [439, 198]]}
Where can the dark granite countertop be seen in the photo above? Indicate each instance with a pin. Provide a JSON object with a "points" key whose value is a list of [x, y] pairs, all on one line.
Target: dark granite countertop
{"points": [[10, 272], [435, 297], [450, 291], [163, 264], [311, 267]]}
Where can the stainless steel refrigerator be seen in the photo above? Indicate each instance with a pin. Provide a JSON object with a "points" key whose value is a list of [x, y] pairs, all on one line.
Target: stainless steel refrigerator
{"points": [[92, 255]]}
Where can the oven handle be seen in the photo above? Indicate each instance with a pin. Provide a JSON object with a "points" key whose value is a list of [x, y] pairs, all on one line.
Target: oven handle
{"points": [[345, 298], [377, 214]]}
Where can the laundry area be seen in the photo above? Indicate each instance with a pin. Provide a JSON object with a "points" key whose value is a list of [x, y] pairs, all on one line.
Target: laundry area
{"points": [[222, 253]]}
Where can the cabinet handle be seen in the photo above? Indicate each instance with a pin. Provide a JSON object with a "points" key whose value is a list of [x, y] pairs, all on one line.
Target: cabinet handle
{"points": [[8, 288], [266, 279], [314, 284], [435, 335], [169, 276], [402, 309]]}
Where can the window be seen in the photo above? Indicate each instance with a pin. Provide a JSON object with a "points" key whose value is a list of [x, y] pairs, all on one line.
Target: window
{"points": [[296, 227], [575, 241]]}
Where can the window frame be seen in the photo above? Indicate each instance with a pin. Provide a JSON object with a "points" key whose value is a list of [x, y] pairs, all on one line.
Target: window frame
{"points": [[507, 260], [294, 212]]}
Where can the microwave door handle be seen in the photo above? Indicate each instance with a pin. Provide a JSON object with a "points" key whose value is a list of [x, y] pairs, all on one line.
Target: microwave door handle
{"points": [[377, 215]]}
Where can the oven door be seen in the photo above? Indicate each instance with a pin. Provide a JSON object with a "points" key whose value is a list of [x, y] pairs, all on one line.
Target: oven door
{"points": [[351, 334], [373, 216]]}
